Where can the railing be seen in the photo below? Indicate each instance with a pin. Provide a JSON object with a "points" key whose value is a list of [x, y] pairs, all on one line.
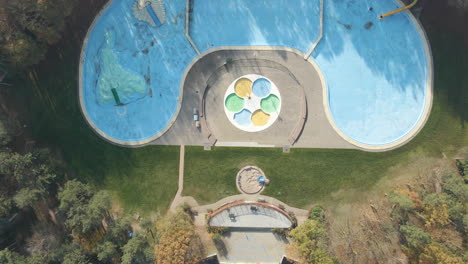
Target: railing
{"points": [[187, 26], [319, 37]]}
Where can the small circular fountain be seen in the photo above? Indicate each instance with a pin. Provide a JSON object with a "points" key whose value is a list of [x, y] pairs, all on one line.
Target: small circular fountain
{"points": [[251, 180]]}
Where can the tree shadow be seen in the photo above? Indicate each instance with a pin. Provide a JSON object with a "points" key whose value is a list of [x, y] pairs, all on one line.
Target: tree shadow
{"points": [[221, 247]]}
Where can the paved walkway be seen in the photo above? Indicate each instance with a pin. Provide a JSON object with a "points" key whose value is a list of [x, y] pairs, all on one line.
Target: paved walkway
{"points": [[178, 197]]}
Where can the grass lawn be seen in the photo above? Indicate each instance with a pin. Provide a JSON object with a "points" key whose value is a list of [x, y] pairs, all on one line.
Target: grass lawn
{"points": [[305, 176]]}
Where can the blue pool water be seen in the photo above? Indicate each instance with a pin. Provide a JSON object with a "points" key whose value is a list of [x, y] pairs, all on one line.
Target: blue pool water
{"points": [[375, 70]]}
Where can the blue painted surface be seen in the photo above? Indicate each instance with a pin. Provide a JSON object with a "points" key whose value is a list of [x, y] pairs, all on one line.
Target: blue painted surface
{"points": [[375, 70], [261, 87], [243, 117], [153, 15]]}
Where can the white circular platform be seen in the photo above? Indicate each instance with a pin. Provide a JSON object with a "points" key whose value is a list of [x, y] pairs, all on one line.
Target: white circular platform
{"points": [[252, 103]]}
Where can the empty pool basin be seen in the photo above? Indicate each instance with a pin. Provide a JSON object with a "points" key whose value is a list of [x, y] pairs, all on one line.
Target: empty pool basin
{"points": [[260, 118], [271, 104], [234, 103], [243, 87], [261, 87], [243, 117]]}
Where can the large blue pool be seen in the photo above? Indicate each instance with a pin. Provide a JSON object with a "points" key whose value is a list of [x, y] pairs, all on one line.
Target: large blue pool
{"points": [[376, 71]]}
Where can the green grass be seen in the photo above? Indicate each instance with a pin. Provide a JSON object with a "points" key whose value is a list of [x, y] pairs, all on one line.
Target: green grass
{"points": [[305, 176]]}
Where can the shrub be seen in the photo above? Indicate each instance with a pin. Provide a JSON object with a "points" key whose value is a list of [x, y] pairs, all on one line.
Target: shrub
{"points": [[217, 237], [415, 237], [217, 229], [403, 201], [310, 241], [317, 213], [280, 231]]}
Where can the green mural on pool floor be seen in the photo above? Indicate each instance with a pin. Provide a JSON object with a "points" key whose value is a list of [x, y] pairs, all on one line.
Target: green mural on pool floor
{"points": [[113, 76]]}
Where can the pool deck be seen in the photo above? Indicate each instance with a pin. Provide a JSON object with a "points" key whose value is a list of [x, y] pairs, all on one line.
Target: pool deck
{"points": [[300, 86]]}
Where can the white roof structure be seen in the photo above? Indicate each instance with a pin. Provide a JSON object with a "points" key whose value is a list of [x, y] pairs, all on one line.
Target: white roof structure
{"points": [[251, 216]]}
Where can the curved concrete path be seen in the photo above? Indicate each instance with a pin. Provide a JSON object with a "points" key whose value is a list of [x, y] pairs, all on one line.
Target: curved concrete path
{"points": [[178, 197]]}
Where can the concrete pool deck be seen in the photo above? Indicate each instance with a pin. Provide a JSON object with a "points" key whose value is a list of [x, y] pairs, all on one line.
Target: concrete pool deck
{"points": [[297, 80]]}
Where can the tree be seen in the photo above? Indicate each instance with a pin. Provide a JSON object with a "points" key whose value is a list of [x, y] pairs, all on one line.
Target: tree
{"points": [[10, 257], [137, 251], [26, 178], [107, 251], [436, 253], [178, 242], [75, 256], [6, 206], [110, 247], [84, 208], [436, 209], [317, 213], [39, 18], [5, 133], [28, 26], [27, 197], [415, 237], [309, 239], [403, 201], [45, 239]]}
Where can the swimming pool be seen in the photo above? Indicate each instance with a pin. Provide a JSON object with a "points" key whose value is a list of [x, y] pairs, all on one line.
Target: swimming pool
{"points": [[377, 72]]}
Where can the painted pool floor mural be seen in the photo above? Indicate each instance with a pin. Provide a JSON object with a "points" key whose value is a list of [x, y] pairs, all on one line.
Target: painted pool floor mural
{"points": [[113, 75], [374, 75]]}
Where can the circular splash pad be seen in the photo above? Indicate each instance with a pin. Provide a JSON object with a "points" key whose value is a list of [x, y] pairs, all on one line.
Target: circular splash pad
{"points": [[252, 103]]}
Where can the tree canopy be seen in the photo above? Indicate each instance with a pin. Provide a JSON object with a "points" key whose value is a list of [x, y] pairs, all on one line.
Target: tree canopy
{"points": [[83, 208], [28, 26], [309, 239], [178, 242]]}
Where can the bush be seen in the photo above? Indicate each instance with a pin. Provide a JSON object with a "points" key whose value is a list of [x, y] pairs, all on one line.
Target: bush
{"points": [[436, 209], [403, 201], [280, 231], [437, 253], [415, 237], [462, 166], [217, 237], [217, 229], [317, 213], [310, 240]]}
